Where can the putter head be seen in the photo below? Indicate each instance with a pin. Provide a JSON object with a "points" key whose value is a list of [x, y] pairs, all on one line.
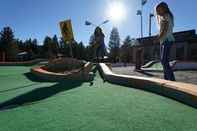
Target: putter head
{"points": [[88, 23], [105, 21]]}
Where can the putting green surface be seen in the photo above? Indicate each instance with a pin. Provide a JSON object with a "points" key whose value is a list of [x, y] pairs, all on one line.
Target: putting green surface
{"points": [[157, 66], [28, 104]]}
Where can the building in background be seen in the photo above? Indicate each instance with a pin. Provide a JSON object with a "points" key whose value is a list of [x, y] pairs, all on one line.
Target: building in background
{"points": [[184, 48]]}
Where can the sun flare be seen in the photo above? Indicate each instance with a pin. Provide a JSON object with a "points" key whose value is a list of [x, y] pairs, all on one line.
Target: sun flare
{"points": [[117, 12]]}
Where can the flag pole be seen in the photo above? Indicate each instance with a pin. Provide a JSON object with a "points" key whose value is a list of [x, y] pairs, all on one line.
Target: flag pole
{"points": [[143, 2], [71, 50], [150, 22], [141, 21]]}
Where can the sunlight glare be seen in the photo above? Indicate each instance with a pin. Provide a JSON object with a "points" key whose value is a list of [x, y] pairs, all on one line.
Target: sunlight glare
{"points": [[117, 12]]}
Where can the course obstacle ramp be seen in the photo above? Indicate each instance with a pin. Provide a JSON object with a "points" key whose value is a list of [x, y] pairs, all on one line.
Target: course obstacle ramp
{"points": [[68, 69]]}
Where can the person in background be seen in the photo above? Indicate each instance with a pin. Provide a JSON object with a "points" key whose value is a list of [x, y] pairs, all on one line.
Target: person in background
{"points": [[99, 43], [165, 21]]}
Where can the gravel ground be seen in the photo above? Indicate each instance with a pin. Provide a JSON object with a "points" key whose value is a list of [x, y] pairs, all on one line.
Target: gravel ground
{"points": [[181, 76]]}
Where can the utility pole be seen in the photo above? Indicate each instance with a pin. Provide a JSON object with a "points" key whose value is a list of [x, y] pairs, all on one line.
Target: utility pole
{"points": [[142, 24], [150, 23], [140, 12]]}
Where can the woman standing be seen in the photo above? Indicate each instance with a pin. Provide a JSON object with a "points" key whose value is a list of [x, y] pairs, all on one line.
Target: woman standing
{"points": [[99, 43], [165, 20]]}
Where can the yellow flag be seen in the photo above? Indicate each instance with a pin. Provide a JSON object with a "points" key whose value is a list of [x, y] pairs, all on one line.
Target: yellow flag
{"points": [[66, 30]]}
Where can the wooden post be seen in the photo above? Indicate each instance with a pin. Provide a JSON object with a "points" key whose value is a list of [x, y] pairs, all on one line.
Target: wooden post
{"points": [[71, 51], [138, 59], [3, 56]]}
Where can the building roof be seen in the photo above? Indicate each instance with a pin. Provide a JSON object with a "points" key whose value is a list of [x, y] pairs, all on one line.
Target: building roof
{"points": [[182, 36]]}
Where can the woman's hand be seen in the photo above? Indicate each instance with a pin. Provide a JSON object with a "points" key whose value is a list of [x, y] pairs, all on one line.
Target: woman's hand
{"points": [[156, 40]]}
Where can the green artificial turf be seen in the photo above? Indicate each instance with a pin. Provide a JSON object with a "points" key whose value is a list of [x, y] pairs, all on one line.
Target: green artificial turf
{"points": [[157, 66], [33, 105]]}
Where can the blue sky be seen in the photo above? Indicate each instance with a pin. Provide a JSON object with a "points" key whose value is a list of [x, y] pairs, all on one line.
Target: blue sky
{"points": [[38, 18]]}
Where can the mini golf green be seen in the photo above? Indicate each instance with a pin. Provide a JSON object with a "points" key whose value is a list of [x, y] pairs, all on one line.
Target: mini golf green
{"points": [[157, 65], [28, 104]]}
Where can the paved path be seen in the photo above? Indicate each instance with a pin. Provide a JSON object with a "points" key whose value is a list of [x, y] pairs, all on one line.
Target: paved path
{"points": [[181, 76]]}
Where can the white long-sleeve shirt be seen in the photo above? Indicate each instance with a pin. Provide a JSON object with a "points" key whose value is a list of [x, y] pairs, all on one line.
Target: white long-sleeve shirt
{"points": [[169, 34]]}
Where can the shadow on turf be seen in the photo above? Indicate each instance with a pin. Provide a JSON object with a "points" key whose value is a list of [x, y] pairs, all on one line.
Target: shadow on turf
{"points": [[29, 76], [42, 93], [4, 91], [38, 94]]}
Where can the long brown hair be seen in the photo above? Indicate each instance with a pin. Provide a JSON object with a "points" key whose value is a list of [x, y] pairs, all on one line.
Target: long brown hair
{"points": [[167, 9], [98, 32]]}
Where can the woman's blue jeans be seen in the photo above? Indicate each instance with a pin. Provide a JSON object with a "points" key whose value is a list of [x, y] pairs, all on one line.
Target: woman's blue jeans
{"points": [[165, 58], [100, 51]]}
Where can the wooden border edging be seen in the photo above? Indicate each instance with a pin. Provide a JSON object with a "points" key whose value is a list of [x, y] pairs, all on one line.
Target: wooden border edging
{"points": [[82, 74], [183, 92]]}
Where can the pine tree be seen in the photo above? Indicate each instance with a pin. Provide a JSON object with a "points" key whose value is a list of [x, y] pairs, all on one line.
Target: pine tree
{"points": [[114, 45], [55, 45], [8, 43], [91, 41], [89, 50], [81, 50], [21, 45], [47, 47], [125, 52], [64, 48], [34, 46]]}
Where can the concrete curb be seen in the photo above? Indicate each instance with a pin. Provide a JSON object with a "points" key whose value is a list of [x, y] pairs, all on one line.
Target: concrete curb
{"points": [[81, 74], [183, 92], [176, 66], [151, 70]]}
